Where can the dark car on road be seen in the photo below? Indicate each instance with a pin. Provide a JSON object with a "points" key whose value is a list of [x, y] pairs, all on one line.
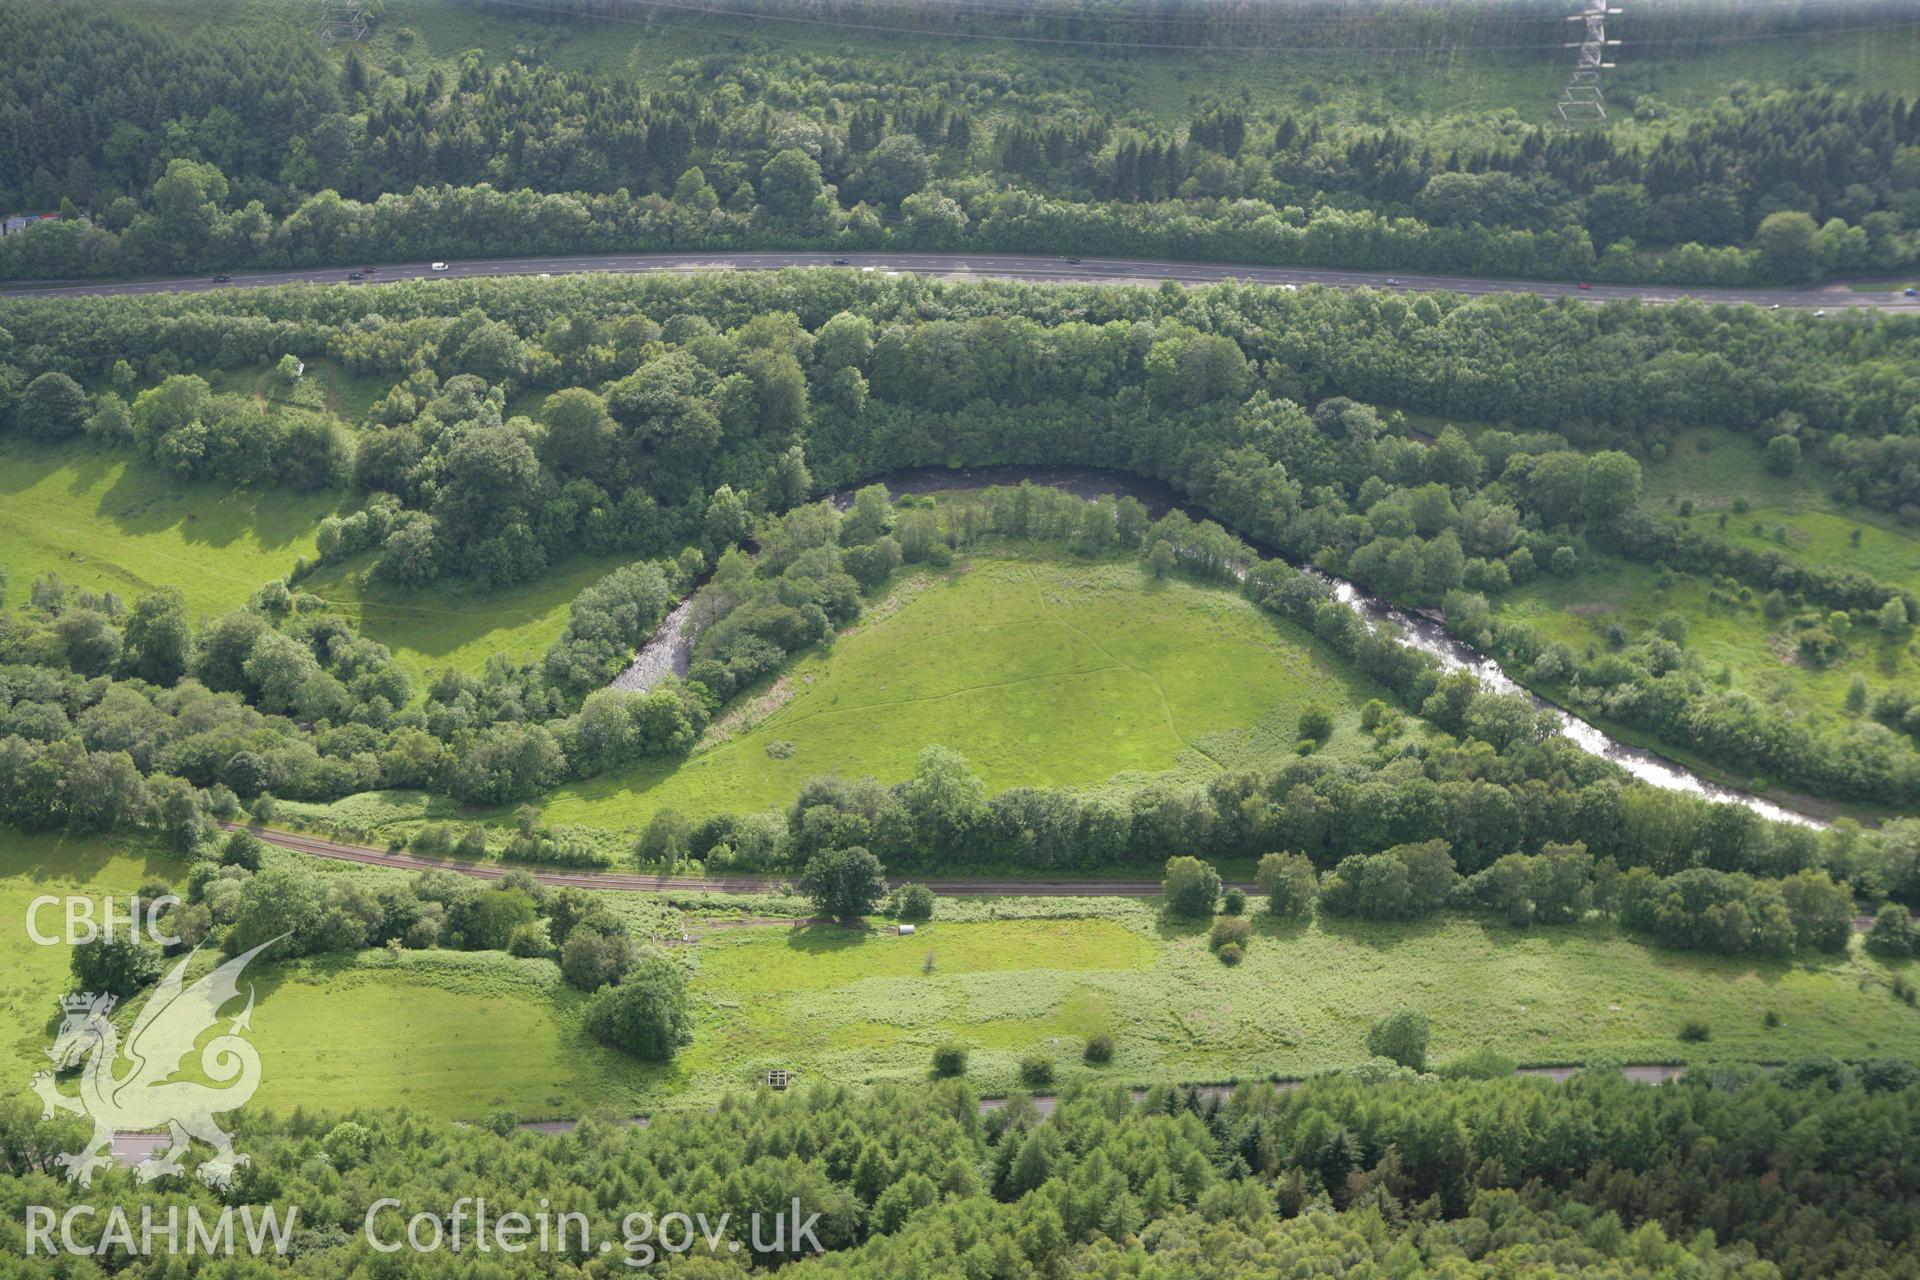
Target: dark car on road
{"points": [[223, 279], [842, 262]]}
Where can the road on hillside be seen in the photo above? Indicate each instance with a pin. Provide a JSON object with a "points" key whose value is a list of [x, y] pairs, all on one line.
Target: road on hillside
{"points": [[990, 265]]}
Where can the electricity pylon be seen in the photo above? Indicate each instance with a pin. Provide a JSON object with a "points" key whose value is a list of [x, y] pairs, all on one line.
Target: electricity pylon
{"points": [[342, 20], [1582, 102]]}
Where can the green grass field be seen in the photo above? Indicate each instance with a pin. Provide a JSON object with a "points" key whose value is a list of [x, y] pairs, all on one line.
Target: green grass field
{"points": [[325, 386], [841, 1005], [106, 522], [34, 977], [1792, 515], [460, 1034], [1714, 465], [1825, 539], [1756, 653], [448, 1033], [459, 625], [1042, 671], [111, 522], [1713, 468]]}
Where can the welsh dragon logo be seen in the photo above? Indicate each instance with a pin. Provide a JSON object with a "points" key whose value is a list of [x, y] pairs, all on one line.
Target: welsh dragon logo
{"points": [[147, 1097]]}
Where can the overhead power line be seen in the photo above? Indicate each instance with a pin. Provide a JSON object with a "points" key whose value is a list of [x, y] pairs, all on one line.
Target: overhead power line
{"points": [[1448, 46], [1295, 15]]}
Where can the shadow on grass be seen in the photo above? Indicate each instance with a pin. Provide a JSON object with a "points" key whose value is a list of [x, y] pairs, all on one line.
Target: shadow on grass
{"points": [[142, 500], [27, 465], [137, 499], [1498, 932], [1170, 927], [1279, 929], [1770, 970], [1889, 654], [59, 857], [828, 937], [1382, 935], [87, 466], [445, 618]]}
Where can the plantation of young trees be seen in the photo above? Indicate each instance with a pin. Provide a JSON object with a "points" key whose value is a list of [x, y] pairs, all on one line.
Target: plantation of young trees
{"points": [[1729, 1174]]}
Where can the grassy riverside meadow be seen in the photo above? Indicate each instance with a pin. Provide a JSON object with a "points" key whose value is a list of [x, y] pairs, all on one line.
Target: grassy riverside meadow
{"points": [[460, 1034], [124, 527], [992, 659], [1715, 470], [1736, 639], [106, 522], [480, 513], [989, 658], [1716, 483]]}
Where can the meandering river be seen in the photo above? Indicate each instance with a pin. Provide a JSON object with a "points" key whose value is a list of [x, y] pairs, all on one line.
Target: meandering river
{"points": [[668, 650]]}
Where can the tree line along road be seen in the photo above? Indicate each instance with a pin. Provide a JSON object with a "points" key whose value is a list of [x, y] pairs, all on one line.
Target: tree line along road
{"points": [[995, 266]]}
